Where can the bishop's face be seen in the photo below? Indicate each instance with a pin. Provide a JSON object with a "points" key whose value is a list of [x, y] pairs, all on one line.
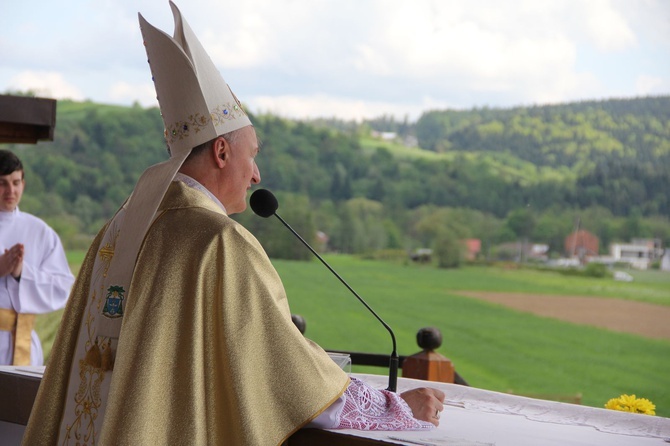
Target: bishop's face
{"points": [[11, 189], [240, 172]]}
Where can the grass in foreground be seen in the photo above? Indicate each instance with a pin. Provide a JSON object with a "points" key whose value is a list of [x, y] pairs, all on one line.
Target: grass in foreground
{"points": [[492, 347]]}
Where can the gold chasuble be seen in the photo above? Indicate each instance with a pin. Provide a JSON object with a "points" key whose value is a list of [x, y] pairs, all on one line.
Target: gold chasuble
{"points": [[207, 353]]}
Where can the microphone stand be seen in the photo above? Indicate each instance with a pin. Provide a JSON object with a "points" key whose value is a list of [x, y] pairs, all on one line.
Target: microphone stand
{"points": [[394, 360]]}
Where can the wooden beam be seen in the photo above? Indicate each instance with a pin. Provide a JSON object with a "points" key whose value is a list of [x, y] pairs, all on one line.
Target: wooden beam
{"points": [[26, 120]]}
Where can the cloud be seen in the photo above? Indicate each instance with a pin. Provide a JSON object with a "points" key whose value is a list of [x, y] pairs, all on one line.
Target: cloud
{"points": [[44, 83], [248, 46], [607, 27], [649, 20], [651, 85], [126, 93], [304, 107], [353, 60], [445, 47], [356, 58]]}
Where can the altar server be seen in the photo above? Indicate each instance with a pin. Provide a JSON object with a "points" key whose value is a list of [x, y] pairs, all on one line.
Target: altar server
{"points": [[34, 274]]}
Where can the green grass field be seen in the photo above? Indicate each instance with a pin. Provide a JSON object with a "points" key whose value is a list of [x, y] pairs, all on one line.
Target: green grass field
{"points": [[491, 346]]}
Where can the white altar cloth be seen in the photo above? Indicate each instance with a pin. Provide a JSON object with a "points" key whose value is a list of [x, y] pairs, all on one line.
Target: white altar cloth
{"points": [[476, 417]]}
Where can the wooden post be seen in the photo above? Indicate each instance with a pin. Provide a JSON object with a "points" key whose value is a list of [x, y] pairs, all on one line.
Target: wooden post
{"points": [[428, 364], [299, 322]]}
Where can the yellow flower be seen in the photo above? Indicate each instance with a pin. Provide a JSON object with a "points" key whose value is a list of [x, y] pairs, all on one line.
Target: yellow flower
{"points": [[629, 403]]}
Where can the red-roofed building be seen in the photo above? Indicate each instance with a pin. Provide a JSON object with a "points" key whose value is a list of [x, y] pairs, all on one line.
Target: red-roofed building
{"points": [[473, 246], [581, 244]]}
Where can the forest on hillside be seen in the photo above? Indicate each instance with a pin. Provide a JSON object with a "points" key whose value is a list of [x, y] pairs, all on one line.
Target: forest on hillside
{"points": [[499, 175]]}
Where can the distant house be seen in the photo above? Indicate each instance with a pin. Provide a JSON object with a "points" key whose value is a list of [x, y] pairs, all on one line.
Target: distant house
{"points": [[665, 261], [473, 246], [410, 141], [322, 240], [422, 255], [539, 251], [639, 253], [386, 136], [582, 245], [522, 252]]}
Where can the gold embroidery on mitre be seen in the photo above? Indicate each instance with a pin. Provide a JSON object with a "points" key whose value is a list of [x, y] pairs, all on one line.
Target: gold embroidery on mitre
{"points": [[217, 116], [226, 112]]}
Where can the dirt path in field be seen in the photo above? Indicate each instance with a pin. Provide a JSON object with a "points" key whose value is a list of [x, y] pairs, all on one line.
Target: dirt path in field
{"points": [[644, 319]]}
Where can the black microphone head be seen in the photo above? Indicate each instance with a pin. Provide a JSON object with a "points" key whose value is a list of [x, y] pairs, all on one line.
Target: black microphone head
{"points": [[263, 203]]}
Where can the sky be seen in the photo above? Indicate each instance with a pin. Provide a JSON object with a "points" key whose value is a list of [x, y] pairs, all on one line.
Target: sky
{"points": [[350, 59]]}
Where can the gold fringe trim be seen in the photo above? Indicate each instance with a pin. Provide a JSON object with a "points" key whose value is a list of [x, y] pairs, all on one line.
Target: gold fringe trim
{"points": [[101, 358]]}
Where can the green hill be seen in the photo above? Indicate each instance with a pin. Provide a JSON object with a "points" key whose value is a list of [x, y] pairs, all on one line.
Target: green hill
{"points": [[605, 163]]}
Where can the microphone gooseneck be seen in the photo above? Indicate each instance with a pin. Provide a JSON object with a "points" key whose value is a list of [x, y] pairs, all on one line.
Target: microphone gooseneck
{"points": [[264, 204]]}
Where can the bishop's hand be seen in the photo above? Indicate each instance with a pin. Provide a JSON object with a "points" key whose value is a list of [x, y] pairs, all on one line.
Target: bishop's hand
{"points": [[426, 403]]}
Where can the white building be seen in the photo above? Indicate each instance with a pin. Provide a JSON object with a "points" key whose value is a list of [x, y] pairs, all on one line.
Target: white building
{"points": [[665, 263], [639, 253]]}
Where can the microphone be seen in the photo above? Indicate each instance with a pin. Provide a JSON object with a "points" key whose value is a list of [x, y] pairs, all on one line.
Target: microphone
{"points": [[264, 204]]}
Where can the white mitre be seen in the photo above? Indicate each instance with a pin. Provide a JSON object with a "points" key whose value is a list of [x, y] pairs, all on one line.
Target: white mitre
{"points": [[196, 103], [197, 106]]}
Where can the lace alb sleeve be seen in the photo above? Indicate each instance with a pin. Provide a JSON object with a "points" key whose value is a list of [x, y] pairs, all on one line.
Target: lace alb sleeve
{"points": [[366, 408]]}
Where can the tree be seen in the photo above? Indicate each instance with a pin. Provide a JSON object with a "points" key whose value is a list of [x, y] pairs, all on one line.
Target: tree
{"points": [[632, 227], [275, 238], [601, 160], [447, 249], [522, 222]]}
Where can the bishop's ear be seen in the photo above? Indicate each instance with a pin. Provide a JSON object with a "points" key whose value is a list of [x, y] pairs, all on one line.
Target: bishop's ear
{"points": [[221, 150]]}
